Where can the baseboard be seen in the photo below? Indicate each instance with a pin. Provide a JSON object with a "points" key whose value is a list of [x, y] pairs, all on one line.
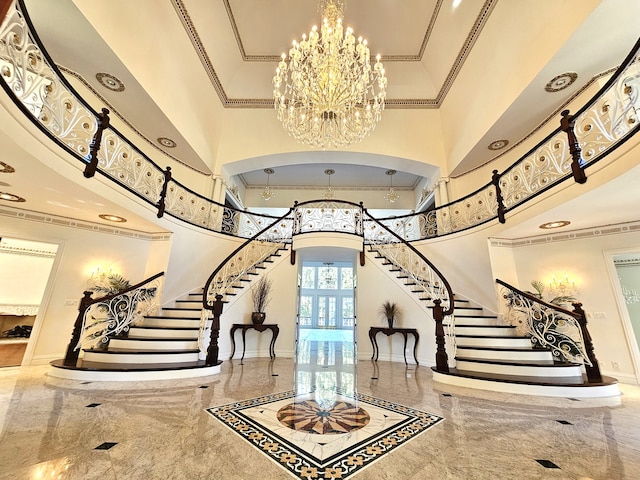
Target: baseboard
{"points": [[43, 359]]}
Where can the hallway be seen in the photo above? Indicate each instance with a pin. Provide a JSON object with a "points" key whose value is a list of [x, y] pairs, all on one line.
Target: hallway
{"points": [[161, 430]]}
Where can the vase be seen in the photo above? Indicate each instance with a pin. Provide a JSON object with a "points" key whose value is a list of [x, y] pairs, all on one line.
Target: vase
{"points": [[390, 320], [258, 317]]}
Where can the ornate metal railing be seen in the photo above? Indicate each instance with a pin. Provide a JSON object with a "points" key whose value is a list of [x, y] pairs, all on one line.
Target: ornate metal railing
{"points": [[32, 79], [327, 216], [549, 326], [419, 270], [101, 319]]}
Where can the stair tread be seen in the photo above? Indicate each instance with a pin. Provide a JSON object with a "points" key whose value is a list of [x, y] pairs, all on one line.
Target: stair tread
{"points": [[469, 325], [139, 351], [464, 335], [499, 349], [523, 363], [149, 327], [188, 309], [474, 316], [523, 379], [163, 317], [129, 367], [156, 339]]}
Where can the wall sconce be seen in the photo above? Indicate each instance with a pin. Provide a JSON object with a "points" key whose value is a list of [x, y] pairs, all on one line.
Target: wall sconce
{"points": [[563, 286]]}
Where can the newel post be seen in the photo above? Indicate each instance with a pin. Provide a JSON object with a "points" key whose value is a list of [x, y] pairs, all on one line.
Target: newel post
{"points": [[593, 371], [213, 350], [566, 124], [71, 357], [94, 147], [495, 179], [442, 361], [163, 192]]}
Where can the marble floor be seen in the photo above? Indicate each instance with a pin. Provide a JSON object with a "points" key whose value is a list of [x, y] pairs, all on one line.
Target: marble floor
{"points": [[54, 428]]}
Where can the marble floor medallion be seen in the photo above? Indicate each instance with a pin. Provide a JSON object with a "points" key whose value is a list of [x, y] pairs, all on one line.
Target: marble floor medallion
{"points": [[319, 437]]}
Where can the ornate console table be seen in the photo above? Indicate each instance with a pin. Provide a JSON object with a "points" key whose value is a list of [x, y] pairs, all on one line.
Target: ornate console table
{"points": [[275, 330], [405, 332]]}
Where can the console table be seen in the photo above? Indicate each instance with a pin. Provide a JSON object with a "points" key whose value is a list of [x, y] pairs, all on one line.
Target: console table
{"points": [[405, 332], [275, 330]]}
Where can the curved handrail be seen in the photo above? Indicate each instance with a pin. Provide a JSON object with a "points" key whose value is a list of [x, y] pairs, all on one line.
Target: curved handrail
{"points": [[550, 326], [206, 296], [110, 297], [36, 85], [313, 215]]}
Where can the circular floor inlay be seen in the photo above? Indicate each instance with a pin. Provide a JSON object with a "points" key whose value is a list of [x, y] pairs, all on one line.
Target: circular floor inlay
{"points": [[308, 416]]}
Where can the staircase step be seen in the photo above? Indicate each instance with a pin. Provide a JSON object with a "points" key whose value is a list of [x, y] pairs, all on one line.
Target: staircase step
{"points": [[179, 312], [153, 344], [136, 356], [485, 330], [491, 341], [164, 332], [479, 321], [168, 322], [507, 354], [518, 368]]}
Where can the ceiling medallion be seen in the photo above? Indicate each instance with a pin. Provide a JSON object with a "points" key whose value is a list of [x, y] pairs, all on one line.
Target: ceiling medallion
{"points": [[112, 218], [10, 197], [556, 224], [6, 168], [560, 82], [109, 81], [166, 142], [498, 144], [329, 95]]}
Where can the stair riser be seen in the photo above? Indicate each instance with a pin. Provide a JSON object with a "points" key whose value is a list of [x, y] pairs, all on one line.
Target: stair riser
{"points": [[180, 313], [493, 331], [524, 370], [471, 311], [494, 342], [167, 322], [140, 357], [477, 320], [539, 356], [161, 333], [133, 344]]}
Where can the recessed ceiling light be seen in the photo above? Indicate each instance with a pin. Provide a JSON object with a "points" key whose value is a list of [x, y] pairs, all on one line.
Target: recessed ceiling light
{"points": [[498, 144], [112, 218], [556, 224], [166, 142], [10, 197], [560, 82], [6, 168], [109, 81]]}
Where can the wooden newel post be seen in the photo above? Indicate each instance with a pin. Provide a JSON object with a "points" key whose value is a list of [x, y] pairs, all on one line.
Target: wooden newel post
{"points": [[163, 192], [593, 371], [94, 147], [213, 350], [566, 124], [442, 361], [495, 179], [71, 357]]}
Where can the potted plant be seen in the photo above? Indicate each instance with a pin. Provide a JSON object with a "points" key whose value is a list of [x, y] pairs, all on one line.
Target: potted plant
{"points": [[261, 296], [389, 310]]}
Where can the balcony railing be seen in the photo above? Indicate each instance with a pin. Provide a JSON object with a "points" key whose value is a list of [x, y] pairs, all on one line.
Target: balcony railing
{"points": [[31, 78]]}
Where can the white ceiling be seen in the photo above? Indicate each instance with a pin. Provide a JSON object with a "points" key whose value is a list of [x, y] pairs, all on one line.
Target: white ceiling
{"points": [[424, 44]]}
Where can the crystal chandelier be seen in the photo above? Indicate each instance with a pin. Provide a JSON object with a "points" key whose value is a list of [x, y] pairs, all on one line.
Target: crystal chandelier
{"points": [[328, 193], [267, 194], [326, 95], [391, 195]]}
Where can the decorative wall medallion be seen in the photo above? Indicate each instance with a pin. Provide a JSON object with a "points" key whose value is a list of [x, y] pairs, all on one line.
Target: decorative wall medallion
{"points": [[112, 218], [498, 144], [6, 168], [166, 142], [560, 82], [10, 197], [109, 81]]}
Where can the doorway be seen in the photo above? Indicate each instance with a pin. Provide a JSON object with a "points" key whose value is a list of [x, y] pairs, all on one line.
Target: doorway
{"points": [[26, 266]]}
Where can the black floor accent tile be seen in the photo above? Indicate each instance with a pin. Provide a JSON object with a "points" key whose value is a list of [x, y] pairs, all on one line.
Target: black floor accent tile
{"points": [[85, 383], [374, 378], [275, 374], [547, 463], [574, 399], [564, 422], [204, 386], [106, 446], [93, 405], [447, 395]]}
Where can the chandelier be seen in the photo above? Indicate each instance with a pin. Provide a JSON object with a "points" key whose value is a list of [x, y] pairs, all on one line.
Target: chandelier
{"points": [[328, 194], [267, 194], [326, 95], [391, 196]]}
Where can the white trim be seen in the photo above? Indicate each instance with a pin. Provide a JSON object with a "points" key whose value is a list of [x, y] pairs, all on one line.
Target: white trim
{"points": [[101, 376]]}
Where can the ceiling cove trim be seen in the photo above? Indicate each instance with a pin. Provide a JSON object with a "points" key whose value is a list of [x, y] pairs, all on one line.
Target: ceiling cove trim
{"points": [[333, 187], [112, 109], [580, 234], [30, 252], [552, 116], [60, 221], [400, 103]]}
